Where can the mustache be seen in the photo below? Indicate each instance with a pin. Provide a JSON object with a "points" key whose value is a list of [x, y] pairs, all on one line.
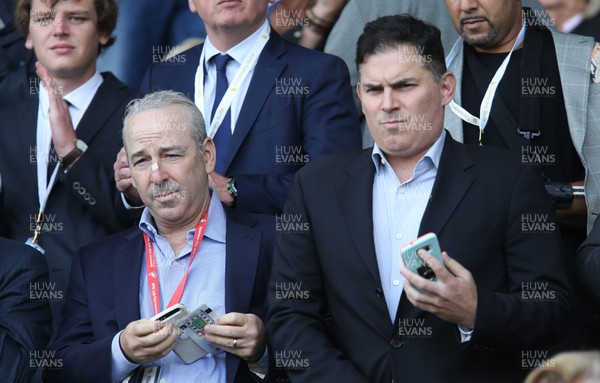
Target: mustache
{"points": [[164, 188]]}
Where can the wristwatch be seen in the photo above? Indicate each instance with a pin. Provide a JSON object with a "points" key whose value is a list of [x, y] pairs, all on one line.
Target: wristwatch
{"points": [[231, 188], [73, 155]]}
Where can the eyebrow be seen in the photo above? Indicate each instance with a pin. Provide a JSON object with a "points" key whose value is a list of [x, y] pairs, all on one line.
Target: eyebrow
{"points": [[175, 148], [402, 81]]}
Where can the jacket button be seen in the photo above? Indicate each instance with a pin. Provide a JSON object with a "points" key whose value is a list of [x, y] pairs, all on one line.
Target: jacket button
{"points": [[379, 293], [396, 343]]}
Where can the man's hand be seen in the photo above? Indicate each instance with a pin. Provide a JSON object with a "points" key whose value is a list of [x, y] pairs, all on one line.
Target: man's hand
{"points": [[575, 217], [247, 329], [218, 183], [452, 297], [144, 341], [123, 179], [63, 133]]}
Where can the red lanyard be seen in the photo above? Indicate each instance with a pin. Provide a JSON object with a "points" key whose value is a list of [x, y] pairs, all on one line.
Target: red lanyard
{"points": [[152, 270]]}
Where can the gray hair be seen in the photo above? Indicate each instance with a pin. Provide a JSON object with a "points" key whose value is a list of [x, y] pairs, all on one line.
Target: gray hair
{"points": [[163, 99]]}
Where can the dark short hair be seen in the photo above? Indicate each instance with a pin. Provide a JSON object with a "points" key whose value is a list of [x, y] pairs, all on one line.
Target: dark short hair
{"points": [[107, 12], [389, 32]]}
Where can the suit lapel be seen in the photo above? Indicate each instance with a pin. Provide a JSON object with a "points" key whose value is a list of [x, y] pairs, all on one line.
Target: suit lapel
{"points": [[108, 98], [27, 132], [573, 60], [355, 196], [127, 266], [450, 186], [267, 69]]}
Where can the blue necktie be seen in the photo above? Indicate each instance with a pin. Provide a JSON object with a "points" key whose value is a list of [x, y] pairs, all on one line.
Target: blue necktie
{"points": [[223, 136]]}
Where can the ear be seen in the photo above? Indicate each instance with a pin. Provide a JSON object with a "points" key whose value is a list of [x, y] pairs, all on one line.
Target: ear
{"points": [[447, 87], [358, 86], [209, 155], [192, 6], [28, 43], [103, 40]]}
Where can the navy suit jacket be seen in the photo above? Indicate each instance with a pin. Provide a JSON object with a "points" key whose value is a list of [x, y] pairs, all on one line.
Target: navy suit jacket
{"points": [[25, 318], [272, 123], [103, 295], [481, 203]]}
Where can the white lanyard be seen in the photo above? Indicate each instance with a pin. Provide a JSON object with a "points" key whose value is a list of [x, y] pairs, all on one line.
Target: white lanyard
{"points": [[232, 91], [486, 105]]}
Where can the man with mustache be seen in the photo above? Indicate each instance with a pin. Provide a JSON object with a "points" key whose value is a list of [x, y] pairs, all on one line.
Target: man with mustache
{"points": [[343, 307], [545, 109], [189, 245]]}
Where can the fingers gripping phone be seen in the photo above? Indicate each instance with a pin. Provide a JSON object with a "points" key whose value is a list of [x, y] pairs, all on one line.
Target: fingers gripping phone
{"points": [[414, 263], [171, 314]]}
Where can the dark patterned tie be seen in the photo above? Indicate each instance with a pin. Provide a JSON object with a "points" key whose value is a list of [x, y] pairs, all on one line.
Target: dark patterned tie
{"points": [[223, 136]]}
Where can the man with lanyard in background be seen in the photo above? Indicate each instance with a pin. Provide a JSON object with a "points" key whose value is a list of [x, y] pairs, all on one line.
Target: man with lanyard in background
{"points": [[271, 106], [524, 87], [189, 249]]}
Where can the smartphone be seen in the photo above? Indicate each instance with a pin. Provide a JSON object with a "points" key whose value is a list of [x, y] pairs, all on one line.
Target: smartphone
{"points": [[414, 263], [171, 314]]}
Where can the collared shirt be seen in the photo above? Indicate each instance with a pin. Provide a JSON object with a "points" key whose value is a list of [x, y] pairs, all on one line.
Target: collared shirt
{"points": [[398, 208], [205, 284], [238, 53], [79, 99]]}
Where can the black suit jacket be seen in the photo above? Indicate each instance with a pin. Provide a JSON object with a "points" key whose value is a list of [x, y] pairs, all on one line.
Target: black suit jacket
{"points": [[81, 207], [103, 296], [25, 318], [298, 108], [481, 203]]}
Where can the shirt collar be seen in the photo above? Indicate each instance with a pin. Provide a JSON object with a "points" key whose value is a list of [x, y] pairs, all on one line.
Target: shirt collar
{"points": [[238, 52], [433, 154], [215, 226], [80, 98]]}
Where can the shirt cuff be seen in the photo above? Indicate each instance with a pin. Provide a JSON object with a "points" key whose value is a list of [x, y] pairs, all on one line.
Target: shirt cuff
{"points": [[261, 366], [128, 206], [120, 367], [465, 333]]}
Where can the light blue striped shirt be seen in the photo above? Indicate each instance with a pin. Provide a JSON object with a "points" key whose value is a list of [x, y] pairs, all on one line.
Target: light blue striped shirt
{"points": [[397, 212], [205, 284]]}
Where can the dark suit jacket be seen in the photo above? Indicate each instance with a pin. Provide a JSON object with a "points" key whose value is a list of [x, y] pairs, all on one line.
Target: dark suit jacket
{"points": [[81, 207], [272, 122], [103, 295], [587, 265], [25, 318], [480, 200]]}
